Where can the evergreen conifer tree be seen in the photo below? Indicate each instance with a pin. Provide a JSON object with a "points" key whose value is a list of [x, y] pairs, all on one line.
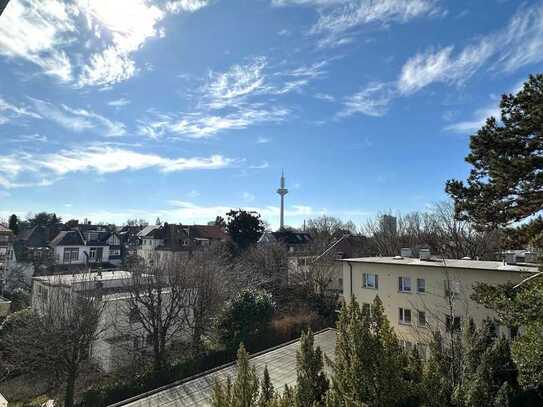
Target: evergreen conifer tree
{"points": [[312, 383]]}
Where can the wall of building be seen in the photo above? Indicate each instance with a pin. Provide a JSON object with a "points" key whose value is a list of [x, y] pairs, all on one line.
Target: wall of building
{"points": [[434, 301]]}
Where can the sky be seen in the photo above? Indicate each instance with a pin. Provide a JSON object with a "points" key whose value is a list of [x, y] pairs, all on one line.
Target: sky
{"points": [[183, 109]]}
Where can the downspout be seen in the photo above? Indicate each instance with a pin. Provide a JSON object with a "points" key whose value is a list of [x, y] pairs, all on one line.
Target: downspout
{"points": [[351, 278]]}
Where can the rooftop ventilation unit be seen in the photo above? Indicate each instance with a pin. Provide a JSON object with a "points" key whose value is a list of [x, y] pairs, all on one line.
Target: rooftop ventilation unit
{"points": [[424, 254], [406, 252], [510, 258]]}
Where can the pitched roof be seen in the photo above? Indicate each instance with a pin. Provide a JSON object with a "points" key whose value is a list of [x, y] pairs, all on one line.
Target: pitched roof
{"points": [[292, 238], [38, 236], [68, 238], [147, 230], [211, 232], [197, 390]]}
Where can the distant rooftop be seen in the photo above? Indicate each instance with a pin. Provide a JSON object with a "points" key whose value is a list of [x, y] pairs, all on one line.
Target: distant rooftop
{"points": [[197, 390], [453, 263], [69, 279]]}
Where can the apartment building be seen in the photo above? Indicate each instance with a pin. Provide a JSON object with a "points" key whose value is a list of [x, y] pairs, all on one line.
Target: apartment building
{"points": [[121, 337], [423, 294]]}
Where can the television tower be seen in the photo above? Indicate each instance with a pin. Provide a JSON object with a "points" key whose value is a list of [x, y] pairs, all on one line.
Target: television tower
{"points": [[282, 191]]}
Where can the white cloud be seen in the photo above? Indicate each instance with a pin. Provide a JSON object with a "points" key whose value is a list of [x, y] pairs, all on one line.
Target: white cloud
{"points": [[79, 120], [28, 138], [10, 111], [119, 102], [371, 101], [441, 66], [44, 33], [519, 44], [523, 39], [263, 140], [177, 6], [339, 18], [44, 169], [479, 119], [242, 96], [325, 96], [204, 125], [36, 31], [238, 82]]}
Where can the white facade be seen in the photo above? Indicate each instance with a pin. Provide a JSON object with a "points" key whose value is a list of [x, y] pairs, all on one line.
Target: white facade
{"points": [[121, 339], [79, 254], [418, 296]]}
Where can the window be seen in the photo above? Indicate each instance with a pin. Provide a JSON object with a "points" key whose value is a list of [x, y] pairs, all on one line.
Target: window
{"points": [[422, 318], [115, 252], [92, 254], [421, 285], [71, 254], [340, 281], [453, 324], [404, 284], [405, 316], [370, 281], [366, 308]]}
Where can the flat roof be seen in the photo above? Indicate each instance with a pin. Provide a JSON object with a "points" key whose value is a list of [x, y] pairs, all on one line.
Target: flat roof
{"points": [[69, 279], [197, 390], [453, 263]]}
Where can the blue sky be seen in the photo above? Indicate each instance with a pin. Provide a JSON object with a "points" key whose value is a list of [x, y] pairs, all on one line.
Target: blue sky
{"points": [[184, 109]]}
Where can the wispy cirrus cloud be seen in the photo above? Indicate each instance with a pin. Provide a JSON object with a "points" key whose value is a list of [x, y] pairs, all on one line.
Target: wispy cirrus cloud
{"points": [[519, 44], [474, 124], [118, 103], [373, 100], [78, 120], [10, 111], [242, 96], [339, 19], [199, 125], [442, 66], [24, 169], [46, 32]]}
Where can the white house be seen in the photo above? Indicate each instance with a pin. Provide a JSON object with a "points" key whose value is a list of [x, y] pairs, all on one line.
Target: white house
{"points": [[121, 338], [70, 247], [420, 295]]}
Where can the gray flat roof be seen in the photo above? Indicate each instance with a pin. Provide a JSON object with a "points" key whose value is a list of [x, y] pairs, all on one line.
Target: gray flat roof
{"points": [[197, 390], [454, 263], [69, 279]]}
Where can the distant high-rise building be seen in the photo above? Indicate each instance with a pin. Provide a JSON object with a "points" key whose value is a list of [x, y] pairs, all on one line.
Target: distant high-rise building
{"points": [[388, 224], [282, 191]]}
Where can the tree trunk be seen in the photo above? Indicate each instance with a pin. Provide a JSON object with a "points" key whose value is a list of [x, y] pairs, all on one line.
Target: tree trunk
{"points": [[70, 390]]}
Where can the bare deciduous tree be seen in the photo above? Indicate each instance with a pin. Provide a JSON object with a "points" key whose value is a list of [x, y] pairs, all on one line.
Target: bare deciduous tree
{"points": [[57, 337], [159, 294]]}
